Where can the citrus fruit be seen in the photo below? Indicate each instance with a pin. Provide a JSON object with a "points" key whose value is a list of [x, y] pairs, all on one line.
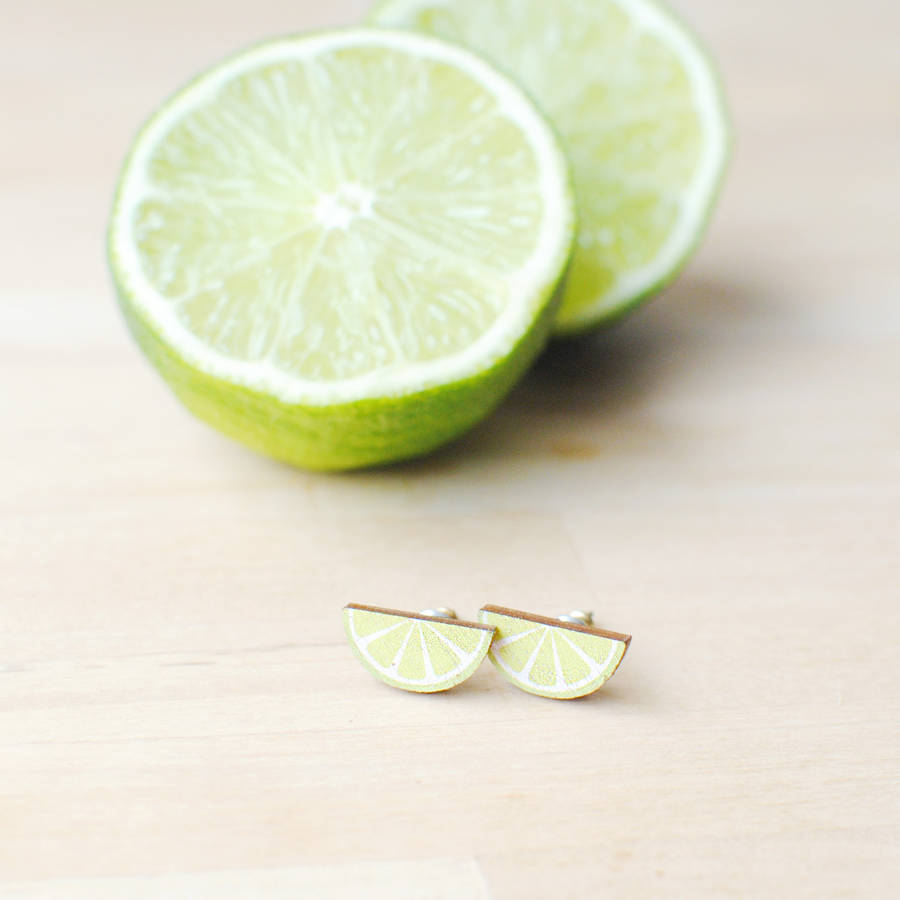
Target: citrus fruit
{"points": [[343, 248], [416, 652], [638, 104], [551, 658]]}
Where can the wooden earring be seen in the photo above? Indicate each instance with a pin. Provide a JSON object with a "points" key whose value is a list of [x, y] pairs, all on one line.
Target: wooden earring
{"points": [[423, 652], [559, 658]]}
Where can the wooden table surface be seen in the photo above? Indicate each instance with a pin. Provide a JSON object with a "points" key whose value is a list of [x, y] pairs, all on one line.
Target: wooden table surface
{"points": [[720, 476]]}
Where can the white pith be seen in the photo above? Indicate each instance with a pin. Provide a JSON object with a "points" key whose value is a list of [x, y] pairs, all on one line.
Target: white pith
{"points": [[529, 286], [695, 198], [416, 627]]}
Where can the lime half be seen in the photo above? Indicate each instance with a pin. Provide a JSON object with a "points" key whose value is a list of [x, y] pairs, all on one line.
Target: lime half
{"points": [[640, 110], [343, 248]]}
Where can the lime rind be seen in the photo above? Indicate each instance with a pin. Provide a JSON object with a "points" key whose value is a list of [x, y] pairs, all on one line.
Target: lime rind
{"points": [[415, 653], [366, 433]]}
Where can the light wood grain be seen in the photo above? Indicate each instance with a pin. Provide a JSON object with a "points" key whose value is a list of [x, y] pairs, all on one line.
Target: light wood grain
{"points": [[179, 714]]}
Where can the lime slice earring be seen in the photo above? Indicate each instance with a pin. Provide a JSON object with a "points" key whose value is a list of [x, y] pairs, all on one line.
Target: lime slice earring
{"points": [[560, 658], [424, 652]]}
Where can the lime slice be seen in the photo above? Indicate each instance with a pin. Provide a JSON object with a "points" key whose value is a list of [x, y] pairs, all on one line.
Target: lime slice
{"points": [[552, 658], [639, 107], [343, 248], [416, 652]]}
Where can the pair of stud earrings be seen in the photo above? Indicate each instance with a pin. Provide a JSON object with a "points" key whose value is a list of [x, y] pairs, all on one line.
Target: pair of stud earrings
{"points": [[434, 650]]}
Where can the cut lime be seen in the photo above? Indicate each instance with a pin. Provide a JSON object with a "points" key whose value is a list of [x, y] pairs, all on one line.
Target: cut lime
{"points": [[416, 652], [639, 107], [343, 248], [549, 657]]}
